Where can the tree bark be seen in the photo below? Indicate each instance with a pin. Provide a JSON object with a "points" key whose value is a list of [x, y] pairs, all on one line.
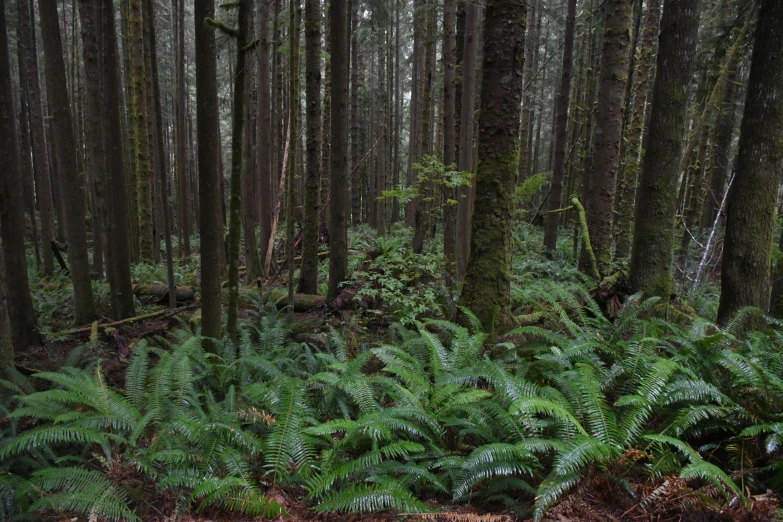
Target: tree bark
{"points": [[73, 188], [561, 131], [210, 220], [750, 207], [488, 277], [355, 181], [449, 138], [381, 172], [23, 324], [308, 280], [264, 130], [651, 254], [338, 236], [633, 141], [421, 220], [609, 127], [29, 79], [294, 16], [183, 181]]}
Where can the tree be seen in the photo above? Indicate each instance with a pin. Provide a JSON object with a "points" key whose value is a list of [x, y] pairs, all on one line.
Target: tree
{"points": [[264, 130], [117, 225], [65, 144], [294, 16], [338, 164], [561, 118], [609, 128], [29, 79], [488, 277], [449, 137], [308, 280], [750, 206], [645, 71], [23, 324], [651, 254], [183, 192], [210, 221]]}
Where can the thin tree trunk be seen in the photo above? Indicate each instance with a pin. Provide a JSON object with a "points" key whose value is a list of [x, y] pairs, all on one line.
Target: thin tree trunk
{"points": [[294, 9], [183, 182], [265, 130], [420, 217], [355, 181], [449, 138], [326, 138], [250, 178], [563, 100], [381, 173]]}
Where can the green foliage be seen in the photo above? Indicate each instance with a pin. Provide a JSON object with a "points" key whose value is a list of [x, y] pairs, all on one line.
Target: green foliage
{"points": [[432, 175]]}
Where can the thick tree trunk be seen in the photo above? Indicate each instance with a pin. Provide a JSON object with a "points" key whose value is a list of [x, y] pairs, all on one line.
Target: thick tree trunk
{"points": [[609, 128], [561, 131], [633, 138], [250, 179], [152, 136], [264, 131], [750, 207], [467, 110], [29, 79], [23, 324], [210, 220], [117, 225], [338, 236], [294, 16], [356, 191], [381, 173], [308, 280], [326, 138], [488, 277], [651, 255], [73, 187], [421, 219]]}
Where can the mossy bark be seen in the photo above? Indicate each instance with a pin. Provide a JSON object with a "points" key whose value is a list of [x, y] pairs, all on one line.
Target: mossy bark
{"points": [[72, 182], [488, 277], [750, 207], [651, 255], [632, 152], [615, 58], [235, 202], [142, 164], [308, 279]]}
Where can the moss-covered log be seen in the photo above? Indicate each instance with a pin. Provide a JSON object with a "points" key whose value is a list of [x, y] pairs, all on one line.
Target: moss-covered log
{"points": [[302, 302], [184, 293]]}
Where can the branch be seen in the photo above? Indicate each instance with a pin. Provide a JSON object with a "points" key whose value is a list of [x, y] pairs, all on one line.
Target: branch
{"points": [[221, 27]]}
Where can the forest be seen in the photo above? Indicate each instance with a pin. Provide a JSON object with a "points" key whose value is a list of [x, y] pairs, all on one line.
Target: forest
{"points": [[391, 260]]}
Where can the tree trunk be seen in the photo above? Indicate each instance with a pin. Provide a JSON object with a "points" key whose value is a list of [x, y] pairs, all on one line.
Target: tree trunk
{"points": [[294, 16], [449, 138], [381, 172], [563, 100], [750, 207], [250, 181], [466, 132], [355, 181], [73, 189], [488, 277], [23, 324], [651, 254], [210, 220], [421, 219], [183, 181], [633, 139], [29, 79], [265, 130], [326, 138], [117, 225], [338, 237], [308, 280], [152, 135]]}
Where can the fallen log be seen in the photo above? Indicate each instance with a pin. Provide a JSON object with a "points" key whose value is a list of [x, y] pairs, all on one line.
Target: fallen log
{"points": [[184, 293], [168, 312], [302, 302]]}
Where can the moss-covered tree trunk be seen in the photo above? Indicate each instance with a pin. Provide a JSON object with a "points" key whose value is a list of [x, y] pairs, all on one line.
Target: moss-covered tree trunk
{"points": [[561, 128], [750, 207], [117, 223], [609, 127], [651, 255], [138, 91], [28, 72], [210, 219], [308, 279], [632, 152], [250, 181], [72, 182], [338, 163], [22, 319], [488, 277], [235, 201]]}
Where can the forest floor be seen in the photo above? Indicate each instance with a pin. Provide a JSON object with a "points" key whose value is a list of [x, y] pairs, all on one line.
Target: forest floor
{"points": [[388, 288]]}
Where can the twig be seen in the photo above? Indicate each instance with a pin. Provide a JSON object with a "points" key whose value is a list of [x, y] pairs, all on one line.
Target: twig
{"points": [[275, 219], [703, 263], [168, 312]]}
